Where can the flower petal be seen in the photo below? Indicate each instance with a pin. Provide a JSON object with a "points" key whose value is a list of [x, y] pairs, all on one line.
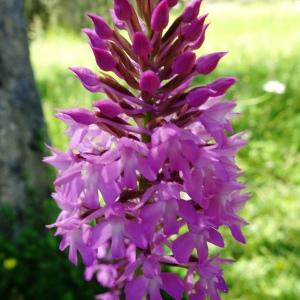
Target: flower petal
{"points": [[173, 285], [136, 288], [182, 247]]}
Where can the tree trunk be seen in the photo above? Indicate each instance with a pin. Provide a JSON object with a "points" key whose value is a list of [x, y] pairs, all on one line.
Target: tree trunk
{"points": [[22, 130]]}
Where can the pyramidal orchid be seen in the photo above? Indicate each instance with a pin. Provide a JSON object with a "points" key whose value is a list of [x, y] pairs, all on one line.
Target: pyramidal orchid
{"points": [[149, 176]]}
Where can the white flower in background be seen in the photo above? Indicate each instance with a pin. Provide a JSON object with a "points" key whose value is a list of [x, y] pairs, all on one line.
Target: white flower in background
{"points": [[274, 86]]}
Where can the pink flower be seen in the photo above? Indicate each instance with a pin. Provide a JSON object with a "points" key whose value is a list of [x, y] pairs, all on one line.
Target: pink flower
{"points": [[149, 177]]}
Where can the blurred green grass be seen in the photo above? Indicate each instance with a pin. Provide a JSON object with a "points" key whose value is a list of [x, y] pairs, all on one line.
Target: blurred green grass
{"points": [[264, 45]]}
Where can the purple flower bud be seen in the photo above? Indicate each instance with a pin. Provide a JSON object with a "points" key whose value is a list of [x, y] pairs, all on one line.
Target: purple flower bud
{"points": [[123, 9], [118, 23], [141, 45], [206, 64], [172, 3], [160, 16], [108, 108], [192, 32], [220, 86], [199, 96], [94, 38], [149, 82], [191, 12], [199, 42], [80, 115], [101, 27], [104, 59], [86, 76], [184, 63]]}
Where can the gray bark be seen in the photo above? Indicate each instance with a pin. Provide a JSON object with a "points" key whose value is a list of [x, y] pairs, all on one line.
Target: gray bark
{"points": [[22, 129]]}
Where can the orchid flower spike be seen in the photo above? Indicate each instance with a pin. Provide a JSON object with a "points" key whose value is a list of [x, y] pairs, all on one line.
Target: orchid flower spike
{"points": [[149, 177]]}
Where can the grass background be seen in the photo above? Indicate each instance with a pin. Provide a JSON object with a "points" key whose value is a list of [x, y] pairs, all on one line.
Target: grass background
{"points": [[264, 44]]}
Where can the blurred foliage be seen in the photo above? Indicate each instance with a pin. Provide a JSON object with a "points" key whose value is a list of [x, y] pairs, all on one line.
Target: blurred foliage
{"points": [[70, 14], [264, 45], [67, 13], [36, 11], [31, 266]]}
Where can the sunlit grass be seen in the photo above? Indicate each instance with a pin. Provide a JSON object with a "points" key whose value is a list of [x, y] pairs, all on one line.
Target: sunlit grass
{"points": [[264, 44]]}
